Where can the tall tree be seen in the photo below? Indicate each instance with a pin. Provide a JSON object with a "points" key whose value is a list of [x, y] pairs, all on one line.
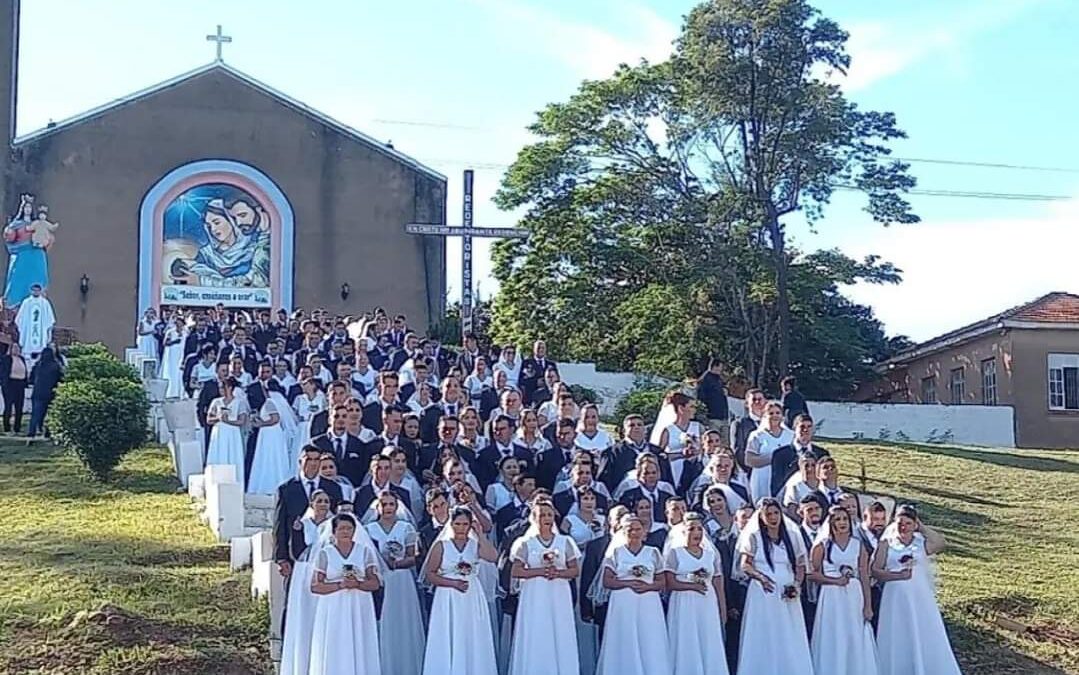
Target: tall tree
{"points": [[655, 199], [775, 136]]}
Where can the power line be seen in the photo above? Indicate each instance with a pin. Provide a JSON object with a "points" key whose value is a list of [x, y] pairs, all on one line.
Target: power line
{"points": [[987, 165]]}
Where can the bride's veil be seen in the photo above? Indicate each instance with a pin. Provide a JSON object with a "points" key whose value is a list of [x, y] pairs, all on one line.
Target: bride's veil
{"points": [[666, 418]]}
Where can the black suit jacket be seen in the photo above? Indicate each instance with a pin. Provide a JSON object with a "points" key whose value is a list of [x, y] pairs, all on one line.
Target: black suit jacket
{"points": [[532, 371], [487, 463], [549, 464], [634, 495], [372, 415], [621, 458], [509, 514], [593, 560], [411, 451], [250, 355], [366, 495], [207, 394], [564, 501], [256, 396], [292, 503], [739, 437], [355, 462], [785, 464]]}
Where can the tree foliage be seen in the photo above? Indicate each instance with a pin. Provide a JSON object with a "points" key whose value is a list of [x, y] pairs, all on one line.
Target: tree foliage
{"points": [[655, 201], [101, 420], [91, 366]]}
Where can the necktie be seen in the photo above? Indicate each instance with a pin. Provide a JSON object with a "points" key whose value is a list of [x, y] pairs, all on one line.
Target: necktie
{"points": [[310, 489], [340, 449]]}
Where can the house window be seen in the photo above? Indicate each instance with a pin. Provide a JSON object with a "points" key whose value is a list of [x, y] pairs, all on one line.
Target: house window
{"points": [[1064, 381], [989, 382], [929, 389], [956, 384]]}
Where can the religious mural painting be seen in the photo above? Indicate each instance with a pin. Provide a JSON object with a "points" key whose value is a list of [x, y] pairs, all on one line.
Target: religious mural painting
{"points": [[215, 231], [28, 236]]}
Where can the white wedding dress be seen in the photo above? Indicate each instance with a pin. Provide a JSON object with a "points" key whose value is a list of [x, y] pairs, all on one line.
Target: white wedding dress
{"points": [[146, 342], [270, 466], [635, 634], [460, 641], [300, 609], [765, 444], [544, 636], [911, 639], [172, 363], [401, 637], [227, 440], [344, 637], [694, 626], [773, 638], [842, 639]]}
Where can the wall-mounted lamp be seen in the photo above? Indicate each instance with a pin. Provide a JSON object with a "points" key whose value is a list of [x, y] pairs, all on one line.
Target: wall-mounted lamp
{"points": [[84, 285], [345, 290]]}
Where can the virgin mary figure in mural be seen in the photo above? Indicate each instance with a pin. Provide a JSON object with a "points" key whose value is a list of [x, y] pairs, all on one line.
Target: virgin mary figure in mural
{"points": [[231, 257], [28, 264]]}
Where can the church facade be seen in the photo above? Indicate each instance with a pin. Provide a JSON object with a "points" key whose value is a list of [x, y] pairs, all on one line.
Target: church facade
{"points": [[211, 188]]}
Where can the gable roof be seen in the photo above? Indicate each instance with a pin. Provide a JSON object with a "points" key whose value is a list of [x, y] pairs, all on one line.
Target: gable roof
{"points": [[1052, 310], [221, 66]]}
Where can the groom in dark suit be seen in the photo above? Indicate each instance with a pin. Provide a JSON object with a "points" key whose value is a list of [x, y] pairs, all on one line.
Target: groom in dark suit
{"points": [[293, 498]]}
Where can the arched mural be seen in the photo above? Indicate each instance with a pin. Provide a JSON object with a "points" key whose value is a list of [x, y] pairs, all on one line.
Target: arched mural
{"points": [[215, 231]]}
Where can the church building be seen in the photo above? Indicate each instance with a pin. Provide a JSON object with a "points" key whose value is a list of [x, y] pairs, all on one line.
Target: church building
{"points": [[211, 187]]}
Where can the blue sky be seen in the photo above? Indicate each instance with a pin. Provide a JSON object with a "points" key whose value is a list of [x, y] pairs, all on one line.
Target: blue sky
{"points": [[454, 82]]}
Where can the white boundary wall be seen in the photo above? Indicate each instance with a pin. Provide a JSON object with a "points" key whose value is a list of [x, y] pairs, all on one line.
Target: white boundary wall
{"points": [[960, 424]]}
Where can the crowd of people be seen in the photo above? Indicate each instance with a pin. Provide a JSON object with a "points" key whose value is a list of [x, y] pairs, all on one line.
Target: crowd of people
{"points": [[459, 511], [31, 367]]}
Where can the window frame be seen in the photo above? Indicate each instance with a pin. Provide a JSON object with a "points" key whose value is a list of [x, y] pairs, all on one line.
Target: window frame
{"points": [[1057, 365], [929, 390], [959, 383], [989, 381]]}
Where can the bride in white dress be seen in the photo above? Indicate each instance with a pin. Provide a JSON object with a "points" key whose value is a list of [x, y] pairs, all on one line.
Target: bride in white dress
{"points": [[401, 636], [228, 414], [172, 358], [772, 555], [460, 640], [681, 439], [544, 561], [911, 639], [762, 443], [308, 404], [270, 466], [842, 635], [635, 634], [344, 638], [146, 342], [698, 606], [305, 544]]}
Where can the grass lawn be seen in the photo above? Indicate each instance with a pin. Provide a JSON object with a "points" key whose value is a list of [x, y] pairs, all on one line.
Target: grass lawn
{"points": [[70, 545], [1009, 581]]}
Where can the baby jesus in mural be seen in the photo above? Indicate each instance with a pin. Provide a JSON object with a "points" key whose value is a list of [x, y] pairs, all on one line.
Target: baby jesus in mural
{"points": [[41, 230]]}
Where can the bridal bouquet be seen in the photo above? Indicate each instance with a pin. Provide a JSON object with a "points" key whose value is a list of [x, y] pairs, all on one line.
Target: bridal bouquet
{"points": [[350, 571], [393, 550], [463, 568], [846, 571], [550, 558], [790, 592], [699, 576], [639, 571]]}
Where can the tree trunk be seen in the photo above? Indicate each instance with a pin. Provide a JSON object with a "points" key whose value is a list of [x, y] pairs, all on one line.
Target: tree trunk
{"points": [[783, 308]]}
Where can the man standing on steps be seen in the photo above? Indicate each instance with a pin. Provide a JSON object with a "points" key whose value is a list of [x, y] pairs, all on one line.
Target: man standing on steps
{"points": [[712, 392]]}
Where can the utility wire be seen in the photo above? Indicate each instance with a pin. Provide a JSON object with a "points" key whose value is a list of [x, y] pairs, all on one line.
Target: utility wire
{"points": [[987, 165]]}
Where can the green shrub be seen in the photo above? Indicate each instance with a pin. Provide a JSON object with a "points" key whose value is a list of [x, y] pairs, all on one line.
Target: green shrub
{"points": [[584, 394], [101, 420], [93, 366], [644, 401], [80, 349]]}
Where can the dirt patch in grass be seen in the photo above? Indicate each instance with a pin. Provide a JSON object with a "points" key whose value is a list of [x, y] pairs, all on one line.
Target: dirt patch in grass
{"points": [[111, 640]]}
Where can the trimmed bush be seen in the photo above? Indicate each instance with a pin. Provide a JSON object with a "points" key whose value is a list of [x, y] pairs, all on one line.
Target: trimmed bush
{"points": [[643, 401], [93, 366], [80, 349], [100, 420]]}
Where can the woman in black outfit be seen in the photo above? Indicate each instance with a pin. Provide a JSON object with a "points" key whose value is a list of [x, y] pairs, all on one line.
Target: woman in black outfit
{"points": [[13, 380], [45, 377]]}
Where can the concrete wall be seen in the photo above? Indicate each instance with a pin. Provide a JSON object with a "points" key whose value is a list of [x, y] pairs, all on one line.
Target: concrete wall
{"points": [[1037, 426], [961, 424], [350, 200]]}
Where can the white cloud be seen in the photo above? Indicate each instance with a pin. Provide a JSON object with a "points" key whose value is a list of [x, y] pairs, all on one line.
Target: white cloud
{"points": [[591, 51], [957, 272], [880, 49]]}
